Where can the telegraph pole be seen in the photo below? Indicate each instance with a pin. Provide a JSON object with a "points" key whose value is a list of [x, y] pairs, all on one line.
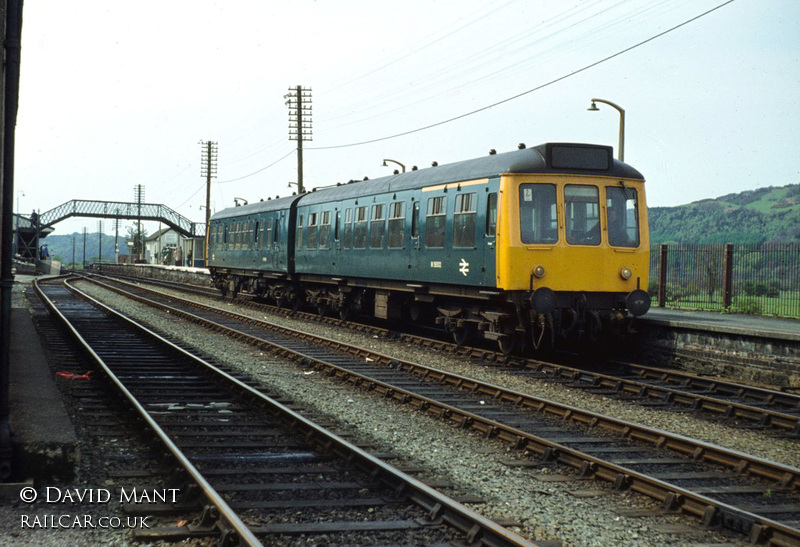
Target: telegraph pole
{"points": [[299, 102], [116, 237], [100, 240], [208, 169], [139, 192]]}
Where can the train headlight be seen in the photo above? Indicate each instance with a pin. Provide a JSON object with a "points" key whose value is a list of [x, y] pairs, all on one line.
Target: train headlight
{"points": [[538, 271], [625, 273]]}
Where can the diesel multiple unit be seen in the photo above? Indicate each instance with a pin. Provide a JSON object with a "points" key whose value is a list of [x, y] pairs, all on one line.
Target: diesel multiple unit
{"points": [[524, 247]]}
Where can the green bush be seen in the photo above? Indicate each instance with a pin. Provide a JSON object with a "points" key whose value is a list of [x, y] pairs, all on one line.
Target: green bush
{"points": [[753, 288], [745, 305]]}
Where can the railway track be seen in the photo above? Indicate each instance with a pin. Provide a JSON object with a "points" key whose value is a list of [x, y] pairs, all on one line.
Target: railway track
{"points": [[249, 458], [768, 409], [745, 494]]}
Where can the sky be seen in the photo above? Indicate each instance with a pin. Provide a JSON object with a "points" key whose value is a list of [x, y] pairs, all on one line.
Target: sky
{"points": [[117, 94]]}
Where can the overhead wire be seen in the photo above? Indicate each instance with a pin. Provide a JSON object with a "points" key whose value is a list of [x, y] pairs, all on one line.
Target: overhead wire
{"points": [[527, 92]]}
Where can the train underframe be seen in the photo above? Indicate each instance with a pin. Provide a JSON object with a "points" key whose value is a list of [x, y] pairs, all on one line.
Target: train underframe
{"points": [[516, 320]]}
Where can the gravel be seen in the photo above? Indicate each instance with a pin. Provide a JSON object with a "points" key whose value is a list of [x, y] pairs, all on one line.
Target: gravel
{"points": [[543, 507]]}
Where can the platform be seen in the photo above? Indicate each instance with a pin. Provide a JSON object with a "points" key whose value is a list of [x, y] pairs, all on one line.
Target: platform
{"points": [[43, 436], [726, 323]]}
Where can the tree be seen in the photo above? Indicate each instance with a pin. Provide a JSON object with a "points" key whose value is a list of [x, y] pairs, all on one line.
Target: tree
{"points": [[136, 239]]}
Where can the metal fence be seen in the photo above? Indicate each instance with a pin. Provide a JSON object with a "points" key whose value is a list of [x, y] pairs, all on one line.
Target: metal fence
{"points": [[755, 279]]}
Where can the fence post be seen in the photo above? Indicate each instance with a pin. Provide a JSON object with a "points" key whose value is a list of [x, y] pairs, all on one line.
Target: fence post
{"points": [[727, 280], [662, 276]]}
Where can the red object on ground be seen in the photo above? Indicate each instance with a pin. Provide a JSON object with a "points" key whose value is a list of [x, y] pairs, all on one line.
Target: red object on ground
{"points": [[72, 376]]}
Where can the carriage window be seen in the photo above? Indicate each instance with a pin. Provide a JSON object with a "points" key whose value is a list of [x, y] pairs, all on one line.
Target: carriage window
{"points": [[311, 236], [435, 222], [256, 240], [582, 209], [299, 234], [464, 220], [336, 228], [360, 228], [268, 235], [491, 214], [377, 228], [348, 228], [397, 224], [325, 231], [537, 214], [623, 217]]}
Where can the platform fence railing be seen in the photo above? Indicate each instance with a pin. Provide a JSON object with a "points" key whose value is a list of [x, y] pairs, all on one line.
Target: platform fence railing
{"points": [[754, 279]]}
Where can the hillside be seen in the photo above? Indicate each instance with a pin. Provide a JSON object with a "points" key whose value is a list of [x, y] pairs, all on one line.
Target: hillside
{"points": [[61, 247], [765, 215]]}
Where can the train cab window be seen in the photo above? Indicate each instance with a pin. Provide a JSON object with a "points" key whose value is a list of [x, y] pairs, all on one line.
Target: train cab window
{"points": [[491, 214], [464, 220], [377, 227], [538, 217], [299, 233], [360, 228], [435, 222], [397, 224], [415, 221], [313, 231], [623, 216], [582, 209], [348, 228], [325, 231]]}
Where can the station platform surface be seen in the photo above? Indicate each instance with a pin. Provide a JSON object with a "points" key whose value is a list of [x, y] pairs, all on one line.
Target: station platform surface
{"points": [[43, 436], [728, 323]]}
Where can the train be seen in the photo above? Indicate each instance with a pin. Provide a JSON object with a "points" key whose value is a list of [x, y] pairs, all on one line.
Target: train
{"points": [[528, 248]]}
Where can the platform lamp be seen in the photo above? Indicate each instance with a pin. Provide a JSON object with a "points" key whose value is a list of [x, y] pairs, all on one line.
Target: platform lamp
{"points": [[403, 167], [594, 108]]}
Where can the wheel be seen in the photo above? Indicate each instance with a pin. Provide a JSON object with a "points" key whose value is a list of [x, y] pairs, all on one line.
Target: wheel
{"points": [[461, 335], [322, 310], [345, 313], [510, 344]]}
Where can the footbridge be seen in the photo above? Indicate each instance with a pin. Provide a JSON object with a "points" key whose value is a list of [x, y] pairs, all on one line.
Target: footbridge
{"points": [[123, 211], [30, 229]]}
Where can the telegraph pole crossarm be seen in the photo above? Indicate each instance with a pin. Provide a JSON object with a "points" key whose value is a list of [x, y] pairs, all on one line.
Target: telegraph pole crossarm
{"points": [[299, 102]]}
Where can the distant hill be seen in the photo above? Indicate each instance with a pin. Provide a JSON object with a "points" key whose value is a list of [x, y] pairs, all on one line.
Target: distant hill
{"points": [[765, 215], [61, 247]]}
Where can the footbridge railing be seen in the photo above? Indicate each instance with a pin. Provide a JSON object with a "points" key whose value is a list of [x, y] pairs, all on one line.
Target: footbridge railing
{"points": [[123, 210]]}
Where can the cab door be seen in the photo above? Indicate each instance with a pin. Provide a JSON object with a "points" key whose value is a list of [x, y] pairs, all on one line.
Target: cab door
{"points": [[487, 228]]}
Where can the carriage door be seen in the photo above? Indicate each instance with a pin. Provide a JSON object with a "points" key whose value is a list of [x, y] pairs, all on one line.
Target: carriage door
{"points": [[277, 258], [487, 231]]}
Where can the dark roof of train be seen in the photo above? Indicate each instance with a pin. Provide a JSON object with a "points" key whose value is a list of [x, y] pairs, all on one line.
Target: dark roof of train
{"points": [[527, 160], [276, 204]]}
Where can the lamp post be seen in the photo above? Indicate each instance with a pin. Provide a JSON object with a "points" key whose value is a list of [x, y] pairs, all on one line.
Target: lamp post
{"points": [[403, 167], [594, 108]]}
